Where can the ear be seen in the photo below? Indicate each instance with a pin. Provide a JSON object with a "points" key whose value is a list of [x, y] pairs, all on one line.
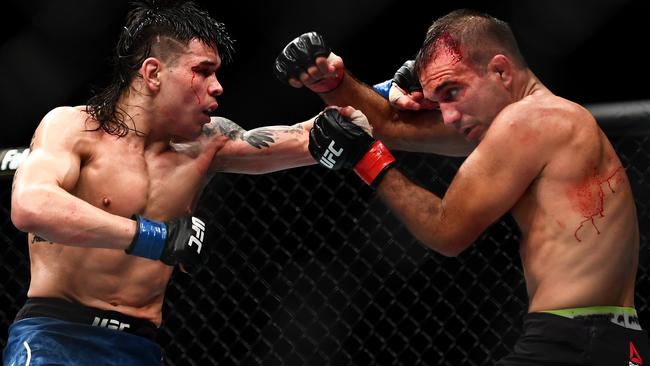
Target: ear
{"points": [[149, 71], [503, 68]]}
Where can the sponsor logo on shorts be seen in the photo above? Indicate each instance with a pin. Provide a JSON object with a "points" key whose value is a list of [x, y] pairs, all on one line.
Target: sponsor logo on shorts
{"points": [[635, 357], [110, 323]]}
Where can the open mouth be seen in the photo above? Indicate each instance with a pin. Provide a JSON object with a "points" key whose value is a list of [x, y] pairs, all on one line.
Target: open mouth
{"points": [[211, 110]]}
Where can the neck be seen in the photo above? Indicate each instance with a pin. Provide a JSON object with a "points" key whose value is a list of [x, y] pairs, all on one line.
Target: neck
{"points": [[529, 84], [140, 116]]}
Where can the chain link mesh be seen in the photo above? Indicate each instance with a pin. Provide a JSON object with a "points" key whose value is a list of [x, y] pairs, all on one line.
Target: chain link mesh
{"points": [[310, 268]]}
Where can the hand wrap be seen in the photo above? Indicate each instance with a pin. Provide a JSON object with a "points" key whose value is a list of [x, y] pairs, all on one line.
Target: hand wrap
{"points": [[177, 241]]}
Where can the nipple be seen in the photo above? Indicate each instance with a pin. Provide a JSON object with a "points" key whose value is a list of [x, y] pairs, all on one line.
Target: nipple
{"points": [[106, 201]]}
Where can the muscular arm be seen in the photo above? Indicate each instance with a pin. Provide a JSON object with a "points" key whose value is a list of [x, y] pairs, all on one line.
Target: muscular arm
{"points": [[487, 185], [41, 203], [260, 150], [418, 131], [308, 61]]}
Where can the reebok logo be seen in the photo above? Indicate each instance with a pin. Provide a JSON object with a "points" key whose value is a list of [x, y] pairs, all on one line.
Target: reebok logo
{"points": [[635, 357], [110, 323], [197, 238], [328, 159]]}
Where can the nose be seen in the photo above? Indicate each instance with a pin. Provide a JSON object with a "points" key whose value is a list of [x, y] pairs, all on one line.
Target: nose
{"points": [[450, 115], [215, 88]]}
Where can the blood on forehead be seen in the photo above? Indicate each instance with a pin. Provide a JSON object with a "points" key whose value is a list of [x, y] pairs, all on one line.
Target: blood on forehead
{"points": [[448, 45]]}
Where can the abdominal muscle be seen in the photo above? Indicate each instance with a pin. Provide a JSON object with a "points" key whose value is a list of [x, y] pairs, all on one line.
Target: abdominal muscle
{"points": [[107, 279]]}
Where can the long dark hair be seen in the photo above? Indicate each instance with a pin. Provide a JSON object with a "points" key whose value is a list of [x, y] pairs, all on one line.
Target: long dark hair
{"points": [[158, 28]]}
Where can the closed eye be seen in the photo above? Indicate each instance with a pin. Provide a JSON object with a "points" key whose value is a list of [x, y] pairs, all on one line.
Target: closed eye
{"points": [[205, 71], [450, 94]]}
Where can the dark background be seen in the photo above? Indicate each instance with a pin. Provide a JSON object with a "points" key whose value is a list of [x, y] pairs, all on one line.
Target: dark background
{"points": [[310, 267], [587, 51]]}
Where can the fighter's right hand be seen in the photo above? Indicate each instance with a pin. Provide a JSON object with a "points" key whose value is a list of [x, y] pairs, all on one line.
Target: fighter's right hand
{"points": [[341, 138], [177, 241], [404, 90], [308, 61]]}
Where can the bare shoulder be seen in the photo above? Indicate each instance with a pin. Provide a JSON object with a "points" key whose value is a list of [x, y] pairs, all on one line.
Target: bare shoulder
{"points": [[70, 119], [66, 126], [546, 118]]}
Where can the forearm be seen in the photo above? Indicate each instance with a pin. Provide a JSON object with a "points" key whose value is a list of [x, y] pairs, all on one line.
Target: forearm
{"points": [[54, 215], [264, 149], [417, 131], [288, 148], [420, 210]]}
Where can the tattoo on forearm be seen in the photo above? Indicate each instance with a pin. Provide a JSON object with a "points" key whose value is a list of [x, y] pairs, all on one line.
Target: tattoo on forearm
{"points": [[225, 127], [259, 138]]}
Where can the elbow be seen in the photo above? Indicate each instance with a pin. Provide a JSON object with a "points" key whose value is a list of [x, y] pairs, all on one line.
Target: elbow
{"points": [[451, 251], [24, 211], [449, 247]]}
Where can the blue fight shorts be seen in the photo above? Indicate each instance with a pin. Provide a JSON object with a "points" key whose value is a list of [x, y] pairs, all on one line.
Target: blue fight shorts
{"points": [[90, 337]]}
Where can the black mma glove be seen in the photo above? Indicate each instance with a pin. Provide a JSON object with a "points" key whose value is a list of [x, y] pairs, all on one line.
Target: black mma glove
{"points": [[406, 78], [335, 142], [299, 55], [177, 241]]}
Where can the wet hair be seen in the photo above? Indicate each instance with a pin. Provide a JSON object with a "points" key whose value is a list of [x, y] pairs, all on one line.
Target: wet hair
{"points": [[469, 36], [158, 28]]}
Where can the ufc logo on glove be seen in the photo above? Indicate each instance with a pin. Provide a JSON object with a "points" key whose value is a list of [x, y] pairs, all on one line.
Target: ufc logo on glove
{"points": [[199, 229], [327, 159]]}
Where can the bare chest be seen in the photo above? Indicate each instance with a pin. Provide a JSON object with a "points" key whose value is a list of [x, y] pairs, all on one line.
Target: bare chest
{"points": [[158, 186]]}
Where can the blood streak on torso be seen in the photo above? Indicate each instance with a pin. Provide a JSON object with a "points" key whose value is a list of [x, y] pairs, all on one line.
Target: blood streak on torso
{"points": [[589, 197]]}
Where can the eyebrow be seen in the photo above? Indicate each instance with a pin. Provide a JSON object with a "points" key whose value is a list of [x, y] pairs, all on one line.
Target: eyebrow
{"points": [[206, 63]]}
